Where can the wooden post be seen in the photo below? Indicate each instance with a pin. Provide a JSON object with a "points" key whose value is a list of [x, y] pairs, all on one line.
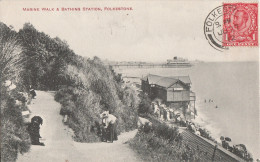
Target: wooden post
{"points": [[194, 110], [213, 156]]}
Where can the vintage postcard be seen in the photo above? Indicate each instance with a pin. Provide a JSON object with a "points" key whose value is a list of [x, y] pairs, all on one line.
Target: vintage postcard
{"points": [[129, 81]]}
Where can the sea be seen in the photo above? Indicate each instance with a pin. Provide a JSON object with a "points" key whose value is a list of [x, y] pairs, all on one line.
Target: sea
{"points": [[233, 88]]}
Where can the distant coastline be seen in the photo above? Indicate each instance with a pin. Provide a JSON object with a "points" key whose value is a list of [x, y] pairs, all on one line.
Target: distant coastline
{"points": [[227, 102], [176, 62]]}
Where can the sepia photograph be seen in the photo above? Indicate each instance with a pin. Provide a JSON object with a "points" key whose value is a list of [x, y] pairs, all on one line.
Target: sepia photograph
{"points": [[129, 81]]}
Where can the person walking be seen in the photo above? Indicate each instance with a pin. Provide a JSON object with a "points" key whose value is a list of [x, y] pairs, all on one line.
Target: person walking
{"points": [[111, 129], [104, 125], [109, 132]]}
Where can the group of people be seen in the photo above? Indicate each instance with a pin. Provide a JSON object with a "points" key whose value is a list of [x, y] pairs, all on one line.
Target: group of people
{"points": [[163, 113], [108, 127], [191, 126], [239, 149], [210, 100], [198, 130]]}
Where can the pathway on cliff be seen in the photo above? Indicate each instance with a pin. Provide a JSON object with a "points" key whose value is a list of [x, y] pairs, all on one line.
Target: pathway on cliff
{"points": [[59, 145]]}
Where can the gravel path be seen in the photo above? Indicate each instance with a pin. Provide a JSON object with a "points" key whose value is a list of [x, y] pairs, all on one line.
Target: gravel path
{"points": [[59, 145]]}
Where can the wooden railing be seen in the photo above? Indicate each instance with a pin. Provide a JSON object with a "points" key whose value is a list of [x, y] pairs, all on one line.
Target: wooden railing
{"points": [[210, 150]]}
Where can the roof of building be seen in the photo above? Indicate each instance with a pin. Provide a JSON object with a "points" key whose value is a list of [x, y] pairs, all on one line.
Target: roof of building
{"points": [[184, 79], [166, 81], [152, 78]]}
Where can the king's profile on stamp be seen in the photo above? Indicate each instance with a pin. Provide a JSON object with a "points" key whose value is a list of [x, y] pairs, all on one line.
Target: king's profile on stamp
{"points": [[240, 20], [240, 24]]}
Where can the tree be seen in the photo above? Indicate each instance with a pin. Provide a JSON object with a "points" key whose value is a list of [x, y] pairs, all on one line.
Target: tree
{"points": [[145, 104], [11, 55]]}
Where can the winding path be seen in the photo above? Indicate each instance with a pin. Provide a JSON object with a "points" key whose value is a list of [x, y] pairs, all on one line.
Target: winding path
{"points": [[59, 145]]}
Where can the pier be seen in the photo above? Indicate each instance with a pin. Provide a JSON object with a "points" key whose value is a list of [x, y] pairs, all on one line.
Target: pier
{"points": [[149, 65]]}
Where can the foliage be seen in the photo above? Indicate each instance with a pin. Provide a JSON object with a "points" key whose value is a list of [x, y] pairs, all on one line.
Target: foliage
{"points": [[145, 104], [46, 58], [14, 137], [11, 55], [162, 143], [93, 89], [164, 131], [85, 87]]}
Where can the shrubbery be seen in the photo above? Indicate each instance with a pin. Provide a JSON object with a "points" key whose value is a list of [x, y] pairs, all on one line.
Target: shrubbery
{"points": [[85, 87], [164, 131], [144, 107], [14, 136], [93, 89], [46, 58], [160, 142], [83, 109]]}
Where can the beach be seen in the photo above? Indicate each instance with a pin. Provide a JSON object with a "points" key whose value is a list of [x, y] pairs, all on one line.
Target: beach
{"points": [[233, 89]]}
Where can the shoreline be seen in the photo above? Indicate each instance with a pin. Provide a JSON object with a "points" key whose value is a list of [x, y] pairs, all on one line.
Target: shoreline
{"points": [[215, 131], [204, 121], [237, 115]]}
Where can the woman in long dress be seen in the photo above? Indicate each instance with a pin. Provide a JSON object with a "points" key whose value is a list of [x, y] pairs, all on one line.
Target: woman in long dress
{"points": [[111, 129], [109, 121]]}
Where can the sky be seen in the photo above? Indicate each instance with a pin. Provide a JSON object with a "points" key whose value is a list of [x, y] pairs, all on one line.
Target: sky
{"points": [[153, 31]]}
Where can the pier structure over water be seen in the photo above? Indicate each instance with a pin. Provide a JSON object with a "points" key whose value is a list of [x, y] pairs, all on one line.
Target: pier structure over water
{"points": [[176, 62], [149, 65]]}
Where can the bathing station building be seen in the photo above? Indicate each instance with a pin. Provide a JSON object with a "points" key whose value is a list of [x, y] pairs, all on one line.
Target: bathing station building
{"points": [[173, 91]]}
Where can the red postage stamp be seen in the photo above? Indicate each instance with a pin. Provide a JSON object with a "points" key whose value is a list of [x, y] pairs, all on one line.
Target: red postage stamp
{"points": [[240, 24]]}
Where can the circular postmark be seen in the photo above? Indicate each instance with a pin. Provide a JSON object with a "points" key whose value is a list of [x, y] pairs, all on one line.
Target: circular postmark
{"points": [[213, 28]]}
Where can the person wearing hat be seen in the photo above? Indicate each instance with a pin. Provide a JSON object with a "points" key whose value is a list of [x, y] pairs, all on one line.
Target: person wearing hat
{"points": [[111, 128], [197, 132], [104, 125]]}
